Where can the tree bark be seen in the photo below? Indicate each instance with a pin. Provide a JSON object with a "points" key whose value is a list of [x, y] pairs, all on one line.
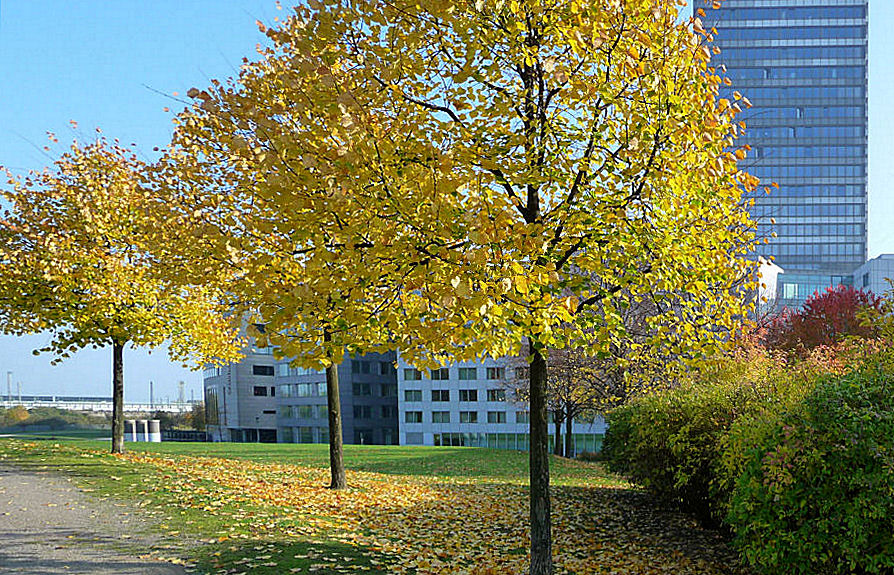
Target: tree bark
{"points": [[117, 396], [336, 458], [569, 447], [557, 446], [541, 542]]}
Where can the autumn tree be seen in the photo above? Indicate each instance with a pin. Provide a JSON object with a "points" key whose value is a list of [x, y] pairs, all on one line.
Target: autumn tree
{"points": [[74, 262], [462, 177], [824, 319]]}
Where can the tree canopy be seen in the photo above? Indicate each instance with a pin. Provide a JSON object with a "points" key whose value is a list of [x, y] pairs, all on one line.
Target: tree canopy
{"points": [[452, 179], [75, 260]]}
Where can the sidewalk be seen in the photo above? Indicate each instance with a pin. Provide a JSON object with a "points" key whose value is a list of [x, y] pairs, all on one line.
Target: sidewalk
{"points": [[48, 526]]}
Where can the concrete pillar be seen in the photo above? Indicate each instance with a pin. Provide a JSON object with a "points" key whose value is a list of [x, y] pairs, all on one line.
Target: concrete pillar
{"points": [[132, 425], [144, 423], [155, 431]]}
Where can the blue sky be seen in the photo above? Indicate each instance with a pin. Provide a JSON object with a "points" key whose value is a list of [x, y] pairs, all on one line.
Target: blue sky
{"points": [[103, 64]]}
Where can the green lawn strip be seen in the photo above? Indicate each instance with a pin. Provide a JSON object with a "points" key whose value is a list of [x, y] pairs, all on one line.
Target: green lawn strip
{"points": [[494, 465]]}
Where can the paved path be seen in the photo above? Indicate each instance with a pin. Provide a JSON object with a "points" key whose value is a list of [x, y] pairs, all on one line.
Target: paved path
{"points": [[49, 526]]}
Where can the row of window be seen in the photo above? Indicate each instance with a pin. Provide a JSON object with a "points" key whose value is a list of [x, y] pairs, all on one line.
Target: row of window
{"points": [[365, 389], [795, 112], [805, 132], [321, 435], [791, 13], [808, 152], [794, 72], [465, 395], [814, 210], [322, 412], [463, 373], [779, 172], [364, 367], [286, 370], [772, 94], [787, 32], [792, 53], [465, 417], [826, 191], [316, 389], [811, 230], [818, 249]]}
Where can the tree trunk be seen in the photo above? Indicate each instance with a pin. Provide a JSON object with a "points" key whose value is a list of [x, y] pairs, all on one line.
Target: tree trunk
{"points": [[541, 544], [117, 397], [557, 446], [569, 447], [336, 459]]}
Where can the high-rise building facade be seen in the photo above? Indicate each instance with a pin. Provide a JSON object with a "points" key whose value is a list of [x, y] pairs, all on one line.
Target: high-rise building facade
{"points": [[803, 65]]}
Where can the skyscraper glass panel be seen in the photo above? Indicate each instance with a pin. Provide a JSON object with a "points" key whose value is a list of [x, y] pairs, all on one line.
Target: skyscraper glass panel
{"points": [[803, 65]]}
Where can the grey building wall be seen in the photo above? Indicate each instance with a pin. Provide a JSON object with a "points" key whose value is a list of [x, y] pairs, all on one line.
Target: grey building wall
{"points": [[368, 390], [803, 65], [240, 399], [873, 275], [436, 409]]}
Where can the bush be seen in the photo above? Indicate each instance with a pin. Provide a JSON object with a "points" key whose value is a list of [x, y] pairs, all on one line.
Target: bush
{"points": [[670, 443], [816, 487]]}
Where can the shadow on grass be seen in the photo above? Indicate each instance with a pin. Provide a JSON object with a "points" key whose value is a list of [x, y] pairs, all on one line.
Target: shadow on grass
{"points": [[281, 556]]}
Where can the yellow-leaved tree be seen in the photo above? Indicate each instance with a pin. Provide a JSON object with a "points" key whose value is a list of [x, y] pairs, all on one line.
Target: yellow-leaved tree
{"points": [[74, 261], [462, 177]]}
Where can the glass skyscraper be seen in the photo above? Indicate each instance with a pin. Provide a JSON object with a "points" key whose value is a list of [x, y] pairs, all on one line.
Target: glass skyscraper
{"points": [[803, 65]]}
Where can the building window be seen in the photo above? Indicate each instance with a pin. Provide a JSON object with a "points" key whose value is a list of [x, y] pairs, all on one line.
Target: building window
{"points": [[468, 373], [389, 412], [284, 370], [496, 417], [272, 391], [440, 417], [389, 390], [413, 417], [306, 412], [467, 395], [362, 389], [362, 412], [262, 370], [496, 395], [360, 366], [412, 374], [440, 395], [412, 395], [386, 368], [522, 372], [260, 391], [522, 417], [468, 417], [496, 373], [440, 374]]}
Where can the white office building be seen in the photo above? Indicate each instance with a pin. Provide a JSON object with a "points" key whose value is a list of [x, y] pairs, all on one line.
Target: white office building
{"points": [[472, 404], [873, 275]]}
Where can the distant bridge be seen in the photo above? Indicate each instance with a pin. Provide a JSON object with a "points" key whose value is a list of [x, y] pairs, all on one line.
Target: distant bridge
{"points": [[99, 404]]}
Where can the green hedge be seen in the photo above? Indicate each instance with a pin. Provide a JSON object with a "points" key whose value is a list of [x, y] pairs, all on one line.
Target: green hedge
{"points": [[815, 485], [671, 443]]}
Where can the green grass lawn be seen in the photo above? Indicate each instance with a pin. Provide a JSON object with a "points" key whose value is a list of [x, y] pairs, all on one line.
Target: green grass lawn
{"points": [[263, 508]]}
